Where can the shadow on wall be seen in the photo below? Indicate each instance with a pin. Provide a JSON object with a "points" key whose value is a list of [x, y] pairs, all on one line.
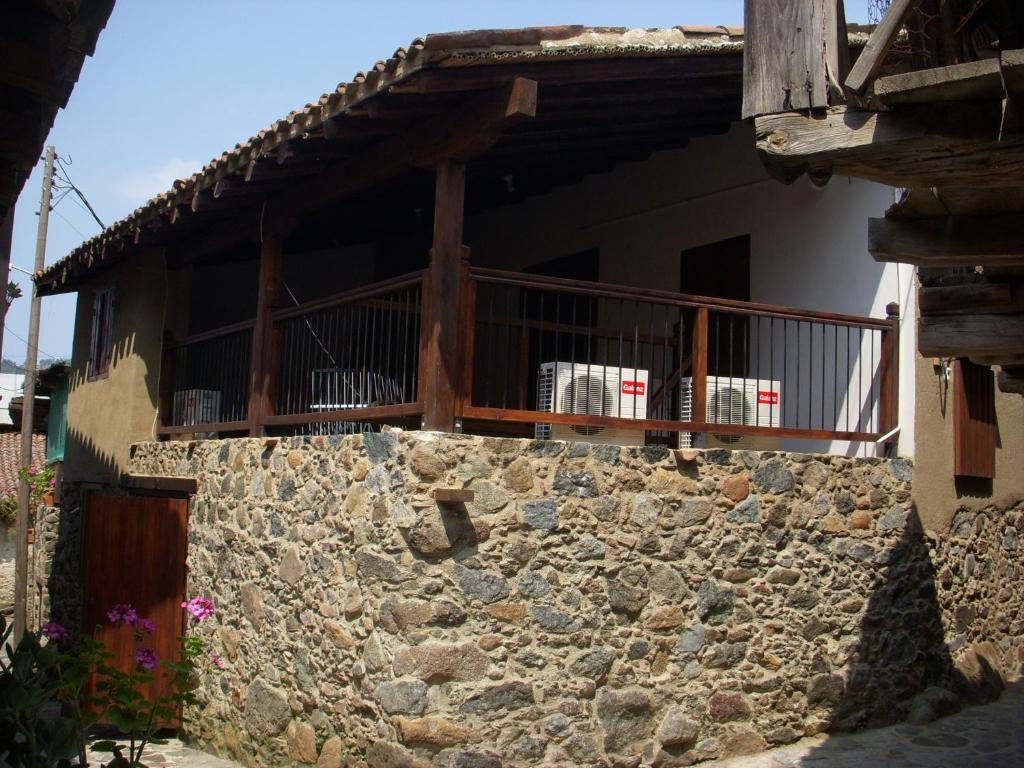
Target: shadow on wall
{"points": [[901, 667]]}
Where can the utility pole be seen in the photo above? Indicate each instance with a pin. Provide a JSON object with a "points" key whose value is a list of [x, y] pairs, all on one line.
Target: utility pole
{"points": [[6, 233], [31, 353]]}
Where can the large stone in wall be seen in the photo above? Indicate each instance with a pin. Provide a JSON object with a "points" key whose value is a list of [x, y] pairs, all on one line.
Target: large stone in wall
{"points": [[266, 709], [442, 662], [626, 718]]}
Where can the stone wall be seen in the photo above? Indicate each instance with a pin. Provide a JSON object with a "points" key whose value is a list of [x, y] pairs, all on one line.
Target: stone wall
{"points": [[592, 605]]}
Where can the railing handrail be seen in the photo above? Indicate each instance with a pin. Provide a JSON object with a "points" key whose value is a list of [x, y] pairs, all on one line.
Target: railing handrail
{"points": [[354, 294], [588, 288], [216, 333]]}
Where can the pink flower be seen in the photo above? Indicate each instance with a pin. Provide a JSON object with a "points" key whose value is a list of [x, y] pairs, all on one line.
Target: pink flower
{"points": [[145, 657], [215, 661], [145, 626], [54, 631], [124, 613], [200, 607]]}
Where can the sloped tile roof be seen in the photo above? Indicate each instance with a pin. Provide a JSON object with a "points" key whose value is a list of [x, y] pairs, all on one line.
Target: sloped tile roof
{"points": [[441, 50], [10, 460]]}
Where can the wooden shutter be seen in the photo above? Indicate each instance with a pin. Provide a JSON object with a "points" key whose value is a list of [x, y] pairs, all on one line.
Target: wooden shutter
{"points": [[974, 420]]}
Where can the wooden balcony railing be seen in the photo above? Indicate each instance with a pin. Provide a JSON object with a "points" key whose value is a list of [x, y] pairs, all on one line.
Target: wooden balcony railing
{"points": [[548, 357], [671, 364], [205, 382]]}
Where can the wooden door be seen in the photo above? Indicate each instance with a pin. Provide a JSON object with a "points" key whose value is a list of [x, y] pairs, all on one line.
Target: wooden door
{"points": [[134, 552]]}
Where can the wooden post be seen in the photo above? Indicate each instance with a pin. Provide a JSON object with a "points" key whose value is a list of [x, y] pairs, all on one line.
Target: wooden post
{"points": [[467, 331], [442, 306], [795, 55], [700, 366], [263, 360], [889, 372], [165, 398]]}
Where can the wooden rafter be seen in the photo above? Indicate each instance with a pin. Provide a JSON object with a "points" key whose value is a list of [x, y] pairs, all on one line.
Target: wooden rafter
{"points": [[949, 241]]}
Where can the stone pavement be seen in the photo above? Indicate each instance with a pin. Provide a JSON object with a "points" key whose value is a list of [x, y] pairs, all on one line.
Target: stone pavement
{"points": [[174, 754], [989, 736]]}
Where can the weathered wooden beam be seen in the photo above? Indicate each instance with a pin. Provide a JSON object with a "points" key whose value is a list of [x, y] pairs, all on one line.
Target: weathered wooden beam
{"points": [[264, 346], [442, 300], [918, 146], [970, 335], [971, 81], [967, 298], [878, 45], [795, 55], [453, 495], [1011, 64], [949, 241]]}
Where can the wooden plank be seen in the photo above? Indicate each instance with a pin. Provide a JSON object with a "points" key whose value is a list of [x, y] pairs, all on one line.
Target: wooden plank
{"points": [[467, 339], [444, 299], [371, 415], [967, 298], [971, 81], [700, 365], [453, 495], [216, 333], [264, 368], [974, 421], [165, 398], [213, 426], [949, 241], [1012, 66], [188, 485], [970, 335], [917, 146], [659, 425], [878, 45], [889, 373], [795, 55]]}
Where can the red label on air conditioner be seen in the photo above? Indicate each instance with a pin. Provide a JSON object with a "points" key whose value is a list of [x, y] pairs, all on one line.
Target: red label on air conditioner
{"points": [[633, 387], [767, 398]]}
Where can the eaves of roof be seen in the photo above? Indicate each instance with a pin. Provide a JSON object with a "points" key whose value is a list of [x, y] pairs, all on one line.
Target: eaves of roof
{"points": [[444, 50]]}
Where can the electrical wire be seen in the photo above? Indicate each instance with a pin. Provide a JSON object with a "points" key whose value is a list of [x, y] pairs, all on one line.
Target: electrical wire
{"points": [[7, 329], [61, 174], [68, 222]]}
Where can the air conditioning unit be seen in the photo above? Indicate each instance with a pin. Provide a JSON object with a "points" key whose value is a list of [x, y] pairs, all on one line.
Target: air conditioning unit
{"points": [[757, 402], [596, 390], [196, 406]]}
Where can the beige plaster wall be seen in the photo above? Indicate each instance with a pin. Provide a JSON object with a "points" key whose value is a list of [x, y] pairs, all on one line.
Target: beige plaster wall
{"points": [[936, 492], [107, 414]]}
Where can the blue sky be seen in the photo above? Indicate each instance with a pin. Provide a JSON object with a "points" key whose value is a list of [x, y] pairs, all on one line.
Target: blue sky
{"points": [[174, 84]]}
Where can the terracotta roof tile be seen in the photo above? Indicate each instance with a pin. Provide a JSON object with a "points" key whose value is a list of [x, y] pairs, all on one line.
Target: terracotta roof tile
{"points": [[10, 460]]}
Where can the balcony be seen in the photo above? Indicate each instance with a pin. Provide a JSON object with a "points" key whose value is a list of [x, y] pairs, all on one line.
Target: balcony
{"points": [[540, 357]]}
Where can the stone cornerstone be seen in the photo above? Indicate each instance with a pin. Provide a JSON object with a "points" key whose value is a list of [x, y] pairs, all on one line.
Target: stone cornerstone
{"points": [[592, 606]]}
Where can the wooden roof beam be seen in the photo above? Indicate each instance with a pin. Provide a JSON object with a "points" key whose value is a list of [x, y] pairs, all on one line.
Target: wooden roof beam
{"points": [[917, 146], [462, 133], [644, 70], [980, 335], [878, 45], [971, 81], [949, 241]]}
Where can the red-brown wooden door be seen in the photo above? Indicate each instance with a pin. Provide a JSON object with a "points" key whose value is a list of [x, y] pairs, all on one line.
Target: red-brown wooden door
{"points": [[134, 552]]}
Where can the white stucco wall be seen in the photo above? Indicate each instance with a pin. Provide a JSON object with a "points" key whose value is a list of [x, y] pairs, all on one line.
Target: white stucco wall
{"points": [[808, 246]]}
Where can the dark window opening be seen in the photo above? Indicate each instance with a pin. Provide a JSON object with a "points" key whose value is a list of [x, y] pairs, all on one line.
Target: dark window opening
{"points": [[101, 343]]}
